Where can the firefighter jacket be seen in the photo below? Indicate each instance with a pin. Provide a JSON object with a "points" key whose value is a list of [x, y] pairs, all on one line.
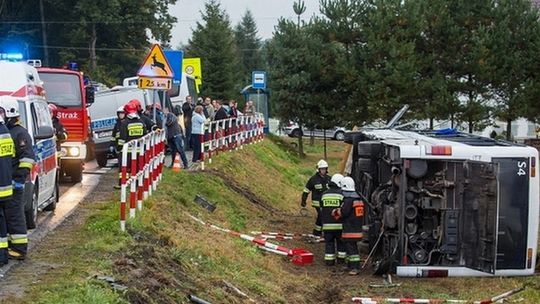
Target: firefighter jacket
{"points": [[130, 129], [116, 134], [24, 153], [352, 214], [7, 152], [60, 132], [317, 184], [330, 200]]}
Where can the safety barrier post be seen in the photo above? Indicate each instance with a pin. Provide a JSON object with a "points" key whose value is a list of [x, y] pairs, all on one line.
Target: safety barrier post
{"points": [[210, 141], [133, 179], [163, 139], [140, 172], [123, 189], [201, 156], [147, 162]]}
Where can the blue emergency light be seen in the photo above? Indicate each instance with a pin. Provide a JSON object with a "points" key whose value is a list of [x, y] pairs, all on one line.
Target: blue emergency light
{"points": [[11, 56], [74, 66]]}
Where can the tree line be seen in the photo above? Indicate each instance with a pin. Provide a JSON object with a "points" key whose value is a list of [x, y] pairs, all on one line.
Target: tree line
{"points": [[359, 61], [467, 62]]}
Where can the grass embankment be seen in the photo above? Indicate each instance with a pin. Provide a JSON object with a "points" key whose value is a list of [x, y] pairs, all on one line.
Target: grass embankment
{"points": [[165, 255]]}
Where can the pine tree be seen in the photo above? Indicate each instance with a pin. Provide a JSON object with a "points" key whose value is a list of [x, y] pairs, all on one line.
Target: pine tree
{"points": [[249, 47], [514, 45], [213, 41]]}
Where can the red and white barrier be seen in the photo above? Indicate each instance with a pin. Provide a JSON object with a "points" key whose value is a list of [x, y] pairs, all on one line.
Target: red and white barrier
{"points": [[144, 157], [298, 256], [230, 134], [287, 236]]}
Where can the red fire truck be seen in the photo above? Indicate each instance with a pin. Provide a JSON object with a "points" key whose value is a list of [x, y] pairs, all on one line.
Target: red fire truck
{"points": [[66, 89]]}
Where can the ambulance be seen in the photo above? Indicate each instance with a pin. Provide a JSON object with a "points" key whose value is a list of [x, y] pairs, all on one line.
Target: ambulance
{"points": [[21, 81]]}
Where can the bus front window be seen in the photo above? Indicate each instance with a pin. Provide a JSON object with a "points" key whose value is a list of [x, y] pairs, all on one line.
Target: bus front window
{"points": [[64, 90]]}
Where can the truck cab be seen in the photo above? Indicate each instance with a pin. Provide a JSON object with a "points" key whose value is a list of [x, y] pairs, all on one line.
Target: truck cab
{"points": [[21, 82], [65, 88]]}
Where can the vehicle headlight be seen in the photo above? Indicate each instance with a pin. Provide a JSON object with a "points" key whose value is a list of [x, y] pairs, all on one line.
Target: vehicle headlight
{"points": [[74, 151]]}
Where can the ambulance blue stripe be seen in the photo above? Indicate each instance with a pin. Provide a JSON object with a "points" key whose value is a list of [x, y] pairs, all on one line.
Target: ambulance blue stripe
{"points": [[44, 149]]}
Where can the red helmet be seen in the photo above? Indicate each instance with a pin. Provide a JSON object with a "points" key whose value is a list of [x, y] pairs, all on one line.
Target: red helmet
{"points": [[136, 103], [54, 109], [130, 108]]}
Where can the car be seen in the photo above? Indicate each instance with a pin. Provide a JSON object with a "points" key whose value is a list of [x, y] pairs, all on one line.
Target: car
{"points": [[294, 130]]}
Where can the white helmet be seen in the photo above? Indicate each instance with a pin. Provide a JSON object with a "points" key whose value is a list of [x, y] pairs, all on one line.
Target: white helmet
{"points": [[10, 106], [322, 164], [120, 110], [336, 179], [347, 184]]}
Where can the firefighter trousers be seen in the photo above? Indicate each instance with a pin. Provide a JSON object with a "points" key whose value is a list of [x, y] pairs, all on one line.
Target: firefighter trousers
{"points": [[353, 255], [3, 234], [332, 241], [318, 223], [16, 222]]}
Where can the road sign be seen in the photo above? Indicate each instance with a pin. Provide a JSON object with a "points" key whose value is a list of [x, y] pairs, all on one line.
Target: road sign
{"points": [[175, 60], [156, 64], [192, 67], [258, 80], [155, 83]]}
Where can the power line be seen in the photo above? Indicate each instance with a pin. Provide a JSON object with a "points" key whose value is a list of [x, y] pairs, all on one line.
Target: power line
{"points": [[86, 48]]}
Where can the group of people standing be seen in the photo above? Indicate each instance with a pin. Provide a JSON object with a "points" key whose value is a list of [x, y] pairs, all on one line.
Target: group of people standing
{"points": [[340, 215], [196, 115], [133, 122]]}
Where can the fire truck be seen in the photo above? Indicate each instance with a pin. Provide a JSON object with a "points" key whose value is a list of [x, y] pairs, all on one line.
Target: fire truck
{"points": [[66, 89]]}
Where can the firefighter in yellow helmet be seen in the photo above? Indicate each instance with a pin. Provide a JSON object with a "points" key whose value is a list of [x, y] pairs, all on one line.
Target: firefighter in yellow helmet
{"points": [[316, 185]]}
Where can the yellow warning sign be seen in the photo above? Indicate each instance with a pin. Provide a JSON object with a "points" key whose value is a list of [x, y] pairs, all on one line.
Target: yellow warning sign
{"points": [[192, 67], [155, 64]]}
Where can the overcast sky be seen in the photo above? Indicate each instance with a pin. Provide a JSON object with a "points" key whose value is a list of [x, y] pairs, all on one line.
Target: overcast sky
{"points": [[265, 12]]}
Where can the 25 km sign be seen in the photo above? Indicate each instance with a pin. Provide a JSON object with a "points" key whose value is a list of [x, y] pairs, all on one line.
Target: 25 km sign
{"points": [[155, 83], [155, 73]]}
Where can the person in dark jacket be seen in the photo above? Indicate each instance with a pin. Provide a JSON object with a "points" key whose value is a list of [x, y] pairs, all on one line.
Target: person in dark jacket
{"points": [[187, 109], [22, 164], [175, 137], [352, 215], [317, 184], [221, 113], [59, 129], [115, 147], [149, 124], [331, 199]]}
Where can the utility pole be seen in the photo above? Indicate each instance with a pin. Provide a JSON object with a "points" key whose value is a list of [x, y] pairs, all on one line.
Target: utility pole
{"points": [[44, 35]]}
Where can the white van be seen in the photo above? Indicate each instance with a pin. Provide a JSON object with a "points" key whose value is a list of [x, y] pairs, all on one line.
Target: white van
{"points": [[21, 82]]}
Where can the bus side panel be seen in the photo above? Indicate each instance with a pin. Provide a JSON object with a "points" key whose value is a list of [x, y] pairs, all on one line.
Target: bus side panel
{"points": [[513, 213]]}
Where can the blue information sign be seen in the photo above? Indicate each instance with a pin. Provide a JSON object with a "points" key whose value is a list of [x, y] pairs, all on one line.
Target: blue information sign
{"points": [[258, 80], [175, 61]]}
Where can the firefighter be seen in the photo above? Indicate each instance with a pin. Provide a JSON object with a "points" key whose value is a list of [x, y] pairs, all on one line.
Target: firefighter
{"points": [[132, 127], [7, 151], [352, 215], [59, 129], [21, 165], [149, 124], [317, 184], [330, 200], [115, 147]]}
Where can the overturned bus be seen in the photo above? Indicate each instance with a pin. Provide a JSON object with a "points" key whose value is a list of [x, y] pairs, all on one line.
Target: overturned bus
{"points": [[445, 203]]}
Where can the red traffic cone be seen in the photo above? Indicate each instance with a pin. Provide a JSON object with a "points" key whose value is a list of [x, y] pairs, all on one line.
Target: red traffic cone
{"points": [[176, 166]]}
